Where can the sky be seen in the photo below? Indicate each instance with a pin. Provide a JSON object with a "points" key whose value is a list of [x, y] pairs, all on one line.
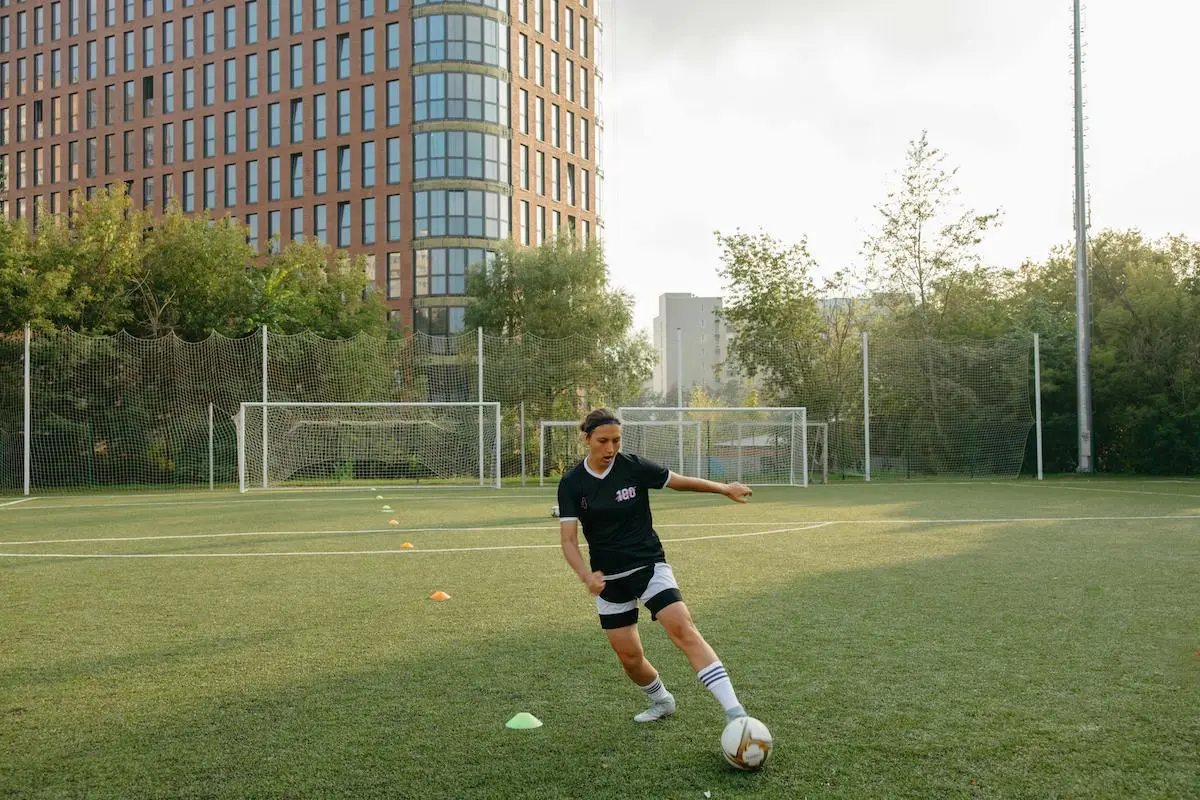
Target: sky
{"points": [[793, 117]]}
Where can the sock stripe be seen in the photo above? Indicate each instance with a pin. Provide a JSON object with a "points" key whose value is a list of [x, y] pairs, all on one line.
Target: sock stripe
{"points": [[713, 677], [653, 688]]}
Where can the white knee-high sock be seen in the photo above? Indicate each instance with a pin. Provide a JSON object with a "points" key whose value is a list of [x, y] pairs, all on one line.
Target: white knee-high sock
{"points": [[716, 680]]}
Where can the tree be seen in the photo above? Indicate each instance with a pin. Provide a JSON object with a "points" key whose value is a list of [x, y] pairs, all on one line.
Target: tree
{"points": [[559, 292], [925, 253], [195, 278], [771, 305]]}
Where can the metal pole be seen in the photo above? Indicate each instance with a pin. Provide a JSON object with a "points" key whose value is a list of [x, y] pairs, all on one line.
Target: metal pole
{"points": [[1083, 338], [1037, 391], [866, 359], [522, 435], [499, 426], [679, 392], [825, 454], [210, 447], [542, 453], [265, 395], [479, 378], [28, 434]]}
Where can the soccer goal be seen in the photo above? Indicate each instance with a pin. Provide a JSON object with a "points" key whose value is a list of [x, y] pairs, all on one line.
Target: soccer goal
{"points": [[389, 444], [758, 446], [560, 445]]}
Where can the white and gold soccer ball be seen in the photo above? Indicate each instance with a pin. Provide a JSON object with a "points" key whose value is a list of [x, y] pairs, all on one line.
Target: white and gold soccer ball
{"points": [[554, 511], [746, 743]]}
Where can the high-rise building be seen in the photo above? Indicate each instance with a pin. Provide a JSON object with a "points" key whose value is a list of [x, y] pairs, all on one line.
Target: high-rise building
{"points": [[692, 343], [417, 132]]}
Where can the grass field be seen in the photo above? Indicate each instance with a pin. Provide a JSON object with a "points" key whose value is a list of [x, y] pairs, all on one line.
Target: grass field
{"points": [[991, 640]]}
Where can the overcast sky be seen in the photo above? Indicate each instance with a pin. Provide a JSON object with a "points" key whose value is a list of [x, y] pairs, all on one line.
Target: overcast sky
{"points": [[793, 116]]}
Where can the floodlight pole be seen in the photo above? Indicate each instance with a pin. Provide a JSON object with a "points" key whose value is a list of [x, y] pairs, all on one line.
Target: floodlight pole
{"points": [[1083, 340]]}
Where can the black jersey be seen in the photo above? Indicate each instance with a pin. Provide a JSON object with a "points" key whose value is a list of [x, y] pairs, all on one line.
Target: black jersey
{"points": [[614, 510]]}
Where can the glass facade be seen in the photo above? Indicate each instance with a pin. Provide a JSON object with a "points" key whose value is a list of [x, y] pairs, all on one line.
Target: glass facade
{"points": [[390, 120]]}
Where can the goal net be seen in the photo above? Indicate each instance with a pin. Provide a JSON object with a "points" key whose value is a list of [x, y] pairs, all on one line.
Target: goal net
{"points": [[675, 445], [761, 446], [389, 444]]}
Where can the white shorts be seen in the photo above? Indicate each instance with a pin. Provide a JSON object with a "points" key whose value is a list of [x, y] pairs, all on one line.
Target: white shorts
{"points": [[653, 585]]}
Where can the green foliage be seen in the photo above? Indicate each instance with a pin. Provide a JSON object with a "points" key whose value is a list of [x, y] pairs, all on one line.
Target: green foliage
{"points": [[109, 267]]}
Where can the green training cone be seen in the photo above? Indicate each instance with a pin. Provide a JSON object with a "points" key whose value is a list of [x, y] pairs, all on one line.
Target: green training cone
{"points": [[523, 721]]}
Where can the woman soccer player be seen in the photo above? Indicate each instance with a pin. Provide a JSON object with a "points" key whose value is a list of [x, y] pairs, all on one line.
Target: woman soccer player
{"points": [[607, 493]]}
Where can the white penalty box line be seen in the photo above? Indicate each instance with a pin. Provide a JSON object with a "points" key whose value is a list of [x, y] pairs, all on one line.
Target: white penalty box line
{"points": [[794, 528]]}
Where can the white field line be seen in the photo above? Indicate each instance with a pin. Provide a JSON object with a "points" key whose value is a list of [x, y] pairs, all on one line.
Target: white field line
{"points": [[503, 528], [265, 501], [384, 552], [1049, 486], [14, 502], [798, 527]]}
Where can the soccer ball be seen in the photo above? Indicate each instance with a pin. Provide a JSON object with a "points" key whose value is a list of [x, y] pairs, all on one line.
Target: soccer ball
{"points": [[554, 511], [746, 743]]}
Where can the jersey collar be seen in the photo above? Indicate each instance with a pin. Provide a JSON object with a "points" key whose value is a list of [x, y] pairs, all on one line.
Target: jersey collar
{"points": [[599, 476]]}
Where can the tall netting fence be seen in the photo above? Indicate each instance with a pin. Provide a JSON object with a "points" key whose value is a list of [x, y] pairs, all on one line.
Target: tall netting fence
{"points": [[958, 409], [121, 412], [12, 410]]}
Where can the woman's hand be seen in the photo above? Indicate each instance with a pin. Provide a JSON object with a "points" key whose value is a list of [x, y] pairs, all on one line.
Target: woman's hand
{"points": [[738, 492], [594, 582]]}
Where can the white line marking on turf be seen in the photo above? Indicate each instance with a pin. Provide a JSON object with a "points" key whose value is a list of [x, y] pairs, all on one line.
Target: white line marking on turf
{"points": [[381, 552], [799, 527], [509, 528], [1047, 487], [14, 502]]}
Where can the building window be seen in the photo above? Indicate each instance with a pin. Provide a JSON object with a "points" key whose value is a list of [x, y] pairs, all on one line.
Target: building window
{"points": [[319, 116], [297, 168], [368, 164], [230, 185], [296, 58], [273, 178], [458, 37], [343, 223], [251, 182], [297, 118], [273, 235], [320, 230], [459, 154], [460, 96], [393, 160], [252, 231], [395, 276], [343, 56], [274, 131], [319, 61], [367, 51], [297, 225], [251, 129], [210, 187], [443, 271], [343, 166], [460, 213], [320, 172], [252, 75], [368, 108], [393, 218], [343, 101], [368, 220]]}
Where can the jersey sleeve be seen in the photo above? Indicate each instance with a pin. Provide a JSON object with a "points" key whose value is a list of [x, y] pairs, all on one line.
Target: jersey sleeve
{"points": [[651, 475], [567, 501]]}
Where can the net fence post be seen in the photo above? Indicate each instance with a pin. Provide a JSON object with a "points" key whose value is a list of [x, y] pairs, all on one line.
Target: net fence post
{"points": [[1037, 391], [521, 435], [27, 433], [803, 445], [542, 453], [211, 485], [825, 454], [479, 399], [265, 400], [866, 362], [240, 425], [679, 391], [499, 425]]}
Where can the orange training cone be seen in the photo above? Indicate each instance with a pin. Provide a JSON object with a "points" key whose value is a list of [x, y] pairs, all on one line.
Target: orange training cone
{"points": [[406, 546], [439, 596], [393, 522]]}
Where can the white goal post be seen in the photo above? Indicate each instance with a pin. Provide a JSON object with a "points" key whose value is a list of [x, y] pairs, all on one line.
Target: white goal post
{"points": [[657, 441], [758, 446], [388, 444]]}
